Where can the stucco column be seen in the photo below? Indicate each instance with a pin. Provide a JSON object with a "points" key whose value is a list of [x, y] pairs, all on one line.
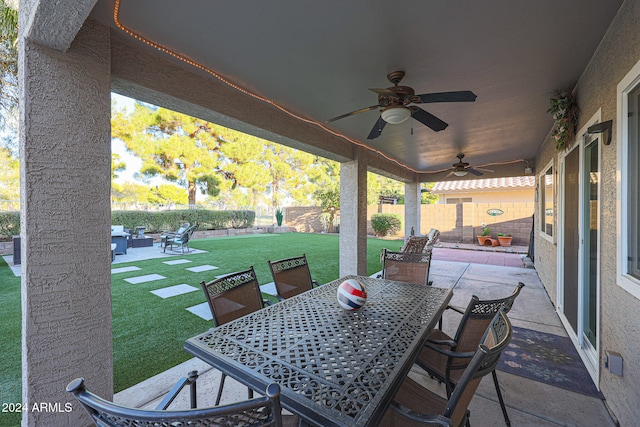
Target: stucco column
{"points": [[65, 161], [353, 215], [412, 197]]}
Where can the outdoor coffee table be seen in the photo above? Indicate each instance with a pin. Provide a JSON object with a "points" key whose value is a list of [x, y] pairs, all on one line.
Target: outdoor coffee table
{"points": [[334, 367]]}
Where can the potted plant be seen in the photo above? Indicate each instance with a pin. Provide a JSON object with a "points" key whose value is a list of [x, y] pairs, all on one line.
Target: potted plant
{"points": [[504, 239], [486, 234], [279, 216]]}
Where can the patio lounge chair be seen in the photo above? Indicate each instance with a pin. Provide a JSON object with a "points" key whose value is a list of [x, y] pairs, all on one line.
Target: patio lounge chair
{"points": [[445, 358], [181, 240], [414, 405], [261, 411], [406, 267], [230, 297], [291, 276], [170, 234]]}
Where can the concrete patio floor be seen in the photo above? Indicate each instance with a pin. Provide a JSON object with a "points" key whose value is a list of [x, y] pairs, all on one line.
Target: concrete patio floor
{"points": [[529, 403]]}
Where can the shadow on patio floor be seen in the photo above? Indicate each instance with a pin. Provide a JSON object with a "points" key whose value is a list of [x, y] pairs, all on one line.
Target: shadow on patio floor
{"points": [[487, 274]]}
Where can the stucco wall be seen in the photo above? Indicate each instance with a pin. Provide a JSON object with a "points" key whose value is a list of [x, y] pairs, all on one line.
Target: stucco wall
{"points": [[518, 196], [65, 162], [620, 311]]}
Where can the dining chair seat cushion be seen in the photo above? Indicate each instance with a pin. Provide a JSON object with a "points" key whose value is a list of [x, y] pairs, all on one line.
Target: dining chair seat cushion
{"points": [[415, 397]]}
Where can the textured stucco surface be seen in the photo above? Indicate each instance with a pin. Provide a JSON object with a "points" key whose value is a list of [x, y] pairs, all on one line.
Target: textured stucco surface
{"points": [[65, 222], [620, 311], [353, 215]]}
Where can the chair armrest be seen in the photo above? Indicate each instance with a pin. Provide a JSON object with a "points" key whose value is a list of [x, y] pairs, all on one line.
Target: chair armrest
{"points": [[448, 343], [466, 355], [189, 380], [438, 420], [454, 308]]}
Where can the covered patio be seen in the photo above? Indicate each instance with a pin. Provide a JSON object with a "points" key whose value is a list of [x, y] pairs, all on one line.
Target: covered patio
{"points": [[280, 71], [529, 402]]}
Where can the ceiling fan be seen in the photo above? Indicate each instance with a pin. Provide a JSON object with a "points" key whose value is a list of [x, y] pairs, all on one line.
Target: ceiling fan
{"points": [[462, 168], [395, 101]]}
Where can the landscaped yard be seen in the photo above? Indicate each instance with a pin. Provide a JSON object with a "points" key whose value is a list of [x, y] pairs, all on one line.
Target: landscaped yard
{"points": [[148, 331]]}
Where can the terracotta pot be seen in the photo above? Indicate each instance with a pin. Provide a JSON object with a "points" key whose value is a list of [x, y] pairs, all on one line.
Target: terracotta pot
{"points": [[504, 240], [482, 240]]}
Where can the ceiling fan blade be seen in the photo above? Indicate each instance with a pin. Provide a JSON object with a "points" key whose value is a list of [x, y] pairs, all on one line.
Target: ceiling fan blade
{"points": [[385, 92], [449, 174], [460, 96], [428, 119], [484, 169], [377, 128], [362, 110], [475, 172]]}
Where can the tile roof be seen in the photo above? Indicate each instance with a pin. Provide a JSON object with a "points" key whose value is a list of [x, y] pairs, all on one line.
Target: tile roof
{"points": [[514, 182]]}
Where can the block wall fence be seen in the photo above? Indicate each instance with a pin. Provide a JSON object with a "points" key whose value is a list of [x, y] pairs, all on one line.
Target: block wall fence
{"points": [[458, 223]]}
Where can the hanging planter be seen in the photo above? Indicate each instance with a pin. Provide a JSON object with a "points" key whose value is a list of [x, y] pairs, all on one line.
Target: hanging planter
{"points": [[564, 109]]}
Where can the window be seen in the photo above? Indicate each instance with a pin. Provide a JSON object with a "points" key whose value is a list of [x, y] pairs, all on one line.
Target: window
{"points": [[546, 198], [633, 186], [628, 219]]}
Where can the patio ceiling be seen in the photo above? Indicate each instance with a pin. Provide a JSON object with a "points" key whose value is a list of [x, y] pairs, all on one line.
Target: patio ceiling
{"points": [[317, 59]]}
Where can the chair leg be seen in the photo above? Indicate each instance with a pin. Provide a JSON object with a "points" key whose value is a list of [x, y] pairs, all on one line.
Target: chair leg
{"points": [[499, 393], [220, 387]]}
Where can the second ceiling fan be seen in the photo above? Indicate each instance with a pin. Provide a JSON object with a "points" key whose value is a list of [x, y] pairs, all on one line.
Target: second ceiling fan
{"points": [[395, 104]]}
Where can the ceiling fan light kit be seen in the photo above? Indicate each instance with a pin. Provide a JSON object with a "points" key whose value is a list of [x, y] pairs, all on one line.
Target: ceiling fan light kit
{"points": [[395, 115], [460, 173], [396, 104]]}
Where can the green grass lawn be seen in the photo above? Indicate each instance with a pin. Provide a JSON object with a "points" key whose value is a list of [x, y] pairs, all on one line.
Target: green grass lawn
{"points": [[149, 332]]}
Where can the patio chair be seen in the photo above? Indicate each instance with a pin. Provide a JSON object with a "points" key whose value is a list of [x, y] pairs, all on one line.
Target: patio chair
{"points": [[445, 358], [231, 297], [170, 234], [291, 276], [406, 267], [414, 405], [415, 245], [180, 240], [261, 411]]}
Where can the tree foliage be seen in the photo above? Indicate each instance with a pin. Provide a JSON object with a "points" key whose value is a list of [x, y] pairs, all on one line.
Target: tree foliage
{"points": [[177, 147], [9, 73], [9, 176]]}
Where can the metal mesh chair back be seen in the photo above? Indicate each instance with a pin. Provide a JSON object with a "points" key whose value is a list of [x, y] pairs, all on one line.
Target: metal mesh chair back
{"points": [[291, 276], [233, 296], [406, 267], [477, 317], [433, 236], [415, 245], [258, 412]]}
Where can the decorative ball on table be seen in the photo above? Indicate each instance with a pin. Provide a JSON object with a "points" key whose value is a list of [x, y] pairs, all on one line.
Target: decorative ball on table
{"points": [[352, 294]]}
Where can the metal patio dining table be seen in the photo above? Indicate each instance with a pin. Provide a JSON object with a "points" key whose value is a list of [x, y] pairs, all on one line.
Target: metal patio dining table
{"points": [[334, 367]]}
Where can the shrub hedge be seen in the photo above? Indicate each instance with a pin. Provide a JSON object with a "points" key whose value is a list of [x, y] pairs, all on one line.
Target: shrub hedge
{"points": [[383, 223], [154, 222], [9, 224]]}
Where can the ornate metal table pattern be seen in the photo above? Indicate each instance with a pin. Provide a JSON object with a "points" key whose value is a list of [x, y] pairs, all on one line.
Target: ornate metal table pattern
{"points": [[335, 367]]}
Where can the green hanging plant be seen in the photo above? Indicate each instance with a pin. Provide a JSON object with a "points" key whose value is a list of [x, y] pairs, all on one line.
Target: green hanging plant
{"points": [[564, 109]]}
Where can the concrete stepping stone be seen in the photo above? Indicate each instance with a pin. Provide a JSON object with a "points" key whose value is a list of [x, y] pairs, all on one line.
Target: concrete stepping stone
{"points": [[177, 261], [269, 288], [201, 310], [124, 269], [172, 291], [201, 268], [145, 278]]}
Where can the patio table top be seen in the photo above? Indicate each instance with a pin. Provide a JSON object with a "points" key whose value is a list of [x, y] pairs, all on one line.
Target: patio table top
{"points": [[335, 367]]}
